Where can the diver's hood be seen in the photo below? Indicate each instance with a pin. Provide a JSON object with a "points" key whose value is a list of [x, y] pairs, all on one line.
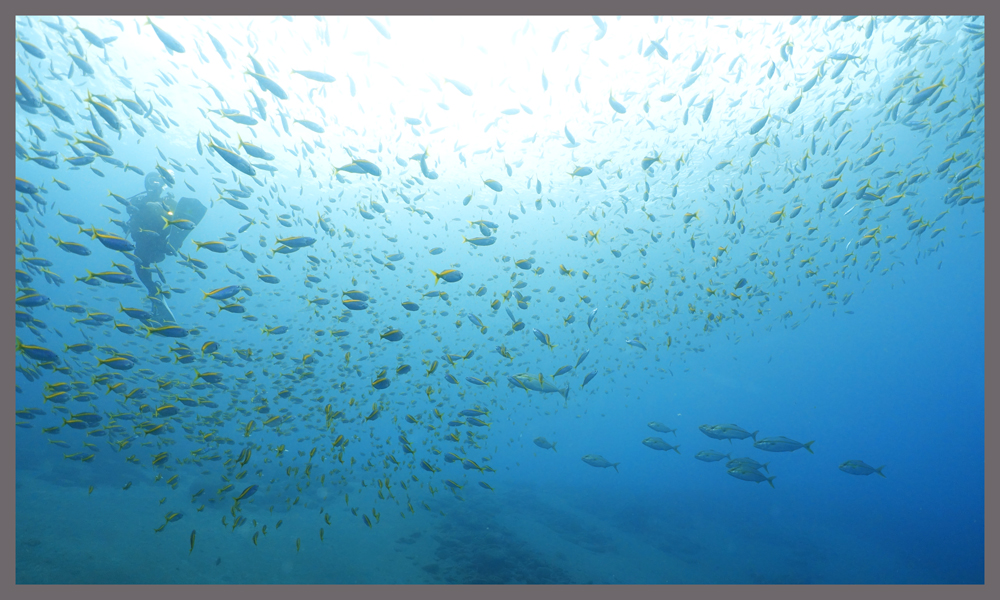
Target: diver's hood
{"points": [[153, 183]]}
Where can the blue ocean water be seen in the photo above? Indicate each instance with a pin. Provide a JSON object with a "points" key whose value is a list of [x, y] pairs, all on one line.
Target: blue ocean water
{"points": [[752, 227]]}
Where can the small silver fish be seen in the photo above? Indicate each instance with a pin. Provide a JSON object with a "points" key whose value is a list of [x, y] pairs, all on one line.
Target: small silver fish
{"points": [[857, 467], [545, 444], [657, 426], [596, 460]]}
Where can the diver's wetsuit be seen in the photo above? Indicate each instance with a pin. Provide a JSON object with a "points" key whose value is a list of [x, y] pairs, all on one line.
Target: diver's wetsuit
{"points": [[146, 229], [154, 240]]}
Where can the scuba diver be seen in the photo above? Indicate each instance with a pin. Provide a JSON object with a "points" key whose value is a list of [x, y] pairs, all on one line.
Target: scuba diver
{"points": [[158, 226]]}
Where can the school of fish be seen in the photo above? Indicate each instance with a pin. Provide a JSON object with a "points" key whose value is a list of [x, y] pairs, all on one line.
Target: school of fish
{"points": [[379, 301]]}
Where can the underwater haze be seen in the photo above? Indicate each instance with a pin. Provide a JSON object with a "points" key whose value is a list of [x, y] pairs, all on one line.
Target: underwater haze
{"points": [[500, 300]]}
